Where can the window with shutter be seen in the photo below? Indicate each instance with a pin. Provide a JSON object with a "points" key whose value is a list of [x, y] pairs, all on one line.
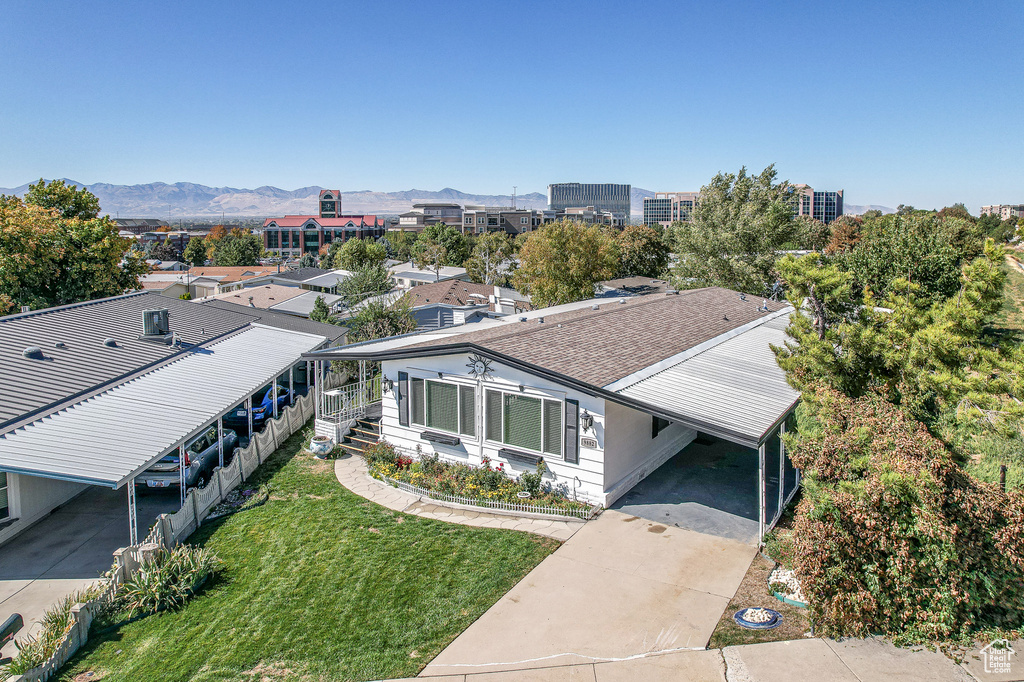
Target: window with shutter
{"points": [[416, 399], [5, 507], [522, 422], [403, 399], [493, 414], [467, 411], [553, 427], [572, 429], [442, 406]]}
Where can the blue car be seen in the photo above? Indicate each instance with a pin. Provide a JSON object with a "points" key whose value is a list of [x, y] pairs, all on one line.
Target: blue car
{"points": [[262, 410]]}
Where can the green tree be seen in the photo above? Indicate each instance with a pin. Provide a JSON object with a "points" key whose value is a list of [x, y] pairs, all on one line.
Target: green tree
{"points": [[456, 249], [195, 252], [365, 281], [403, 245], [379, 320], [48, 260], [811, 234], [360, 253], [491, 262], [243, 249], [642, 252], [735, 232], [68, 200], [562, 261], [308, 260], [320, 312], [431, 255], [164, 251]]}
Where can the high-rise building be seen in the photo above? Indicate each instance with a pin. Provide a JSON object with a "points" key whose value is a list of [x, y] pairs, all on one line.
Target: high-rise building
{"points": [[1004, 211], [603, 197], [665, 208], [820, 205]]}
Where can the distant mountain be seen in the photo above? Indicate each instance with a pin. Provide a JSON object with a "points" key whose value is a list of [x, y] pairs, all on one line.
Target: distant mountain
{"points": [[854, 209], [186, 199]]}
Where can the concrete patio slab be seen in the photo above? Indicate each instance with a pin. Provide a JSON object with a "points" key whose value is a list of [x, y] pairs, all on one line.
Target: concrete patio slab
{"points": [[575, 673], [597, 598], [974, 663], [693, 666], [805, 660], [879, 659]]}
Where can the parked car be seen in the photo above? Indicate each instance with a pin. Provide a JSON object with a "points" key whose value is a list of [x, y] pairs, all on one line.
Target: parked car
{"points": [[263, 409], [201, 457]]}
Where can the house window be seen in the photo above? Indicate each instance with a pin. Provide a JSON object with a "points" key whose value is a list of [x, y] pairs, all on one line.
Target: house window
{"points": [[524, 220], [524, 422], [5, 505], [443, 406], [272, 239]]}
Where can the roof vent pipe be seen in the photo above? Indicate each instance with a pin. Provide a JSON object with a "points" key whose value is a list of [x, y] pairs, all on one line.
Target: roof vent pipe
{"points": [[595, 307], [110, 342], [622, 300]]}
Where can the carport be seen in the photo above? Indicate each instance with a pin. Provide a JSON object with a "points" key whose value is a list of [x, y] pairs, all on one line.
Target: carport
{"points": [[734, 479], [110, 436]]}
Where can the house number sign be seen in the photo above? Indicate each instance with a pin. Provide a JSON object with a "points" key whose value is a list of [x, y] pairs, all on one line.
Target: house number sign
{"points": [[588, 443]]}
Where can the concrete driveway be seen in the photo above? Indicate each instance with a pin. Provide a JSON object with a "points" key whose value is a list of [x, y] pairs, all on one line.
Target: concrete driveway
{"points": [[619, 587], [68, 550], [709, 487]]}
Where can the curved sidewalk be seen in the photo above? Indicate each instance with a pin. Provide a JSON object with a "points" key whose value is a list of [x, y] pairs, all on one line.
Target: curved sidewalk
{"points": [[351, 473]]}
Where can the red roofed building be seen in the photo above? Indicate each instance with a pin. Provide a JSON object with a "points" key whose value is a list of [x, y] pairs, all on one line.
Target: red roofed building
{"points": [[294, 235]]}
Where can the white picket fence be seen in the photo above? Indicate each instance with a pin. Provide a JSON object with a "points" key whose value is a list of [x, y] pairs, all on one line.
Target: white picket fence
{"points": [[171, 529]]}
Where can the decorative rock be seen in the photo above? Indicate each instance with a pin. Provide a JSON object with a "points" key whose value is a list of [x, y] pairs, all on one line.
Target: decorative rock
{"points": [[793, 592]]}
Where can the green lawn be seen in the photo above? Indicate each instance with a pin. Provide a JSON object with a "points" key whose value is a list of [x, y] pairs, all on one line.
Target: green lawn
{"points": [[320, 585]]}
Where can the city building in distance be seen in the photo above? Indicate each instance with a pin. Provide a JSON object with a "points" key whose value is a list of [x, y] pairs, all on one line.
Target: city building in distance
{"points": [[602, 197], [512, 221], [820, 205], [294, 235], [665, 208], [1004, 211], [424, 215]]}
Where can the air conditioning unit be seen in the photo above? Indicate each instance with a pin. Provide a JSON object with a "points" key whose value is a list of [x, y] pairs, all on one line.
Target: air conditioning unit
{"points": [[155, 323]]}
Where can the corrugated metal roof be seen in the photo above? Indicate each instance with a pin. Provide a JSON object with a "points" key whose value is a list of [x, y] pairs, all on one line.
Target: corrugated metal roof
{"points": [[735, 387], [111, 436], [303, 303], [281, 320], [84, 363]]}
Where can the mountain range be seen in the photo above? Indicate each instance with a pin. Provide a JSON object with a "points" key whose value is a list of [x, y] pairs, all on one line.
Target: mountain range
{"points": [[190, 200]]}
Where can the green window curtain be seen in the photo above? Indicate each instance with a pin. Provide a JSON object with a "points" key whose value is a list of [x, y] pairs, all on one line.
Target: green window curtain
{"points": [[417, 401], [522, 422], [5, 509], [467, 411], [442, 406], [553, 427], [493, 414]]}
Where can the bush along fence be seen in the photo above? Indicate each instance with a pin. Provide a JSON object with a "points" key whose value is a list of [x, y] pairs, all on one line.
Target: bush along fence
{"points": [[169, 531]]}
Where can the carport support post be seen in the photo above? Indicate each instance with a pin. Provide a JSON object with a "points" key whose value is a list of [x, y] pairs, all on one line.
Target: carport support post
{"points": [[761, 492], [133, 531], [782, 466], [181, 472], [220, 441], [248, 409], [274, 389], [291, 385]]}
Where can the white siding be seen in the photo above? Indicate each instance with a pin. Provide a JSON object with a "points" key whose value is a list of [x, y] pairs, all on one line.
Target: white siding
{"points": [[630, 452], [33, 497], [587, 477]]}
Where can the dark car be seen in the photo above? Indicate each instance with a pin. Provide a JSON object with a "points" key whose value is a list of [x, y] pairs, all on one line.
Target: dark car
{"points": [[262, 410], [201, 457]]}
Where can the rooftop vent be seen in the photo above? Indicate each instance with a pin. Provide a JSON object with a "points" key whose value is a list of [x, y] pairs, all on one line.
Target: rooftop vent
{"points": [[155, 323], [622, 300], [60, 344], [110, 342], [34, 353]]}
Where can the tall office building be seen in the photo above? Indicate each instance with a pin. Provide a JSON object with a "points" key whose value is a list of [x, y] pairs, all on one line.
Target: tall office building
{"points": [[665, 208], [1004, 211], [605, 197], [820, 205]]}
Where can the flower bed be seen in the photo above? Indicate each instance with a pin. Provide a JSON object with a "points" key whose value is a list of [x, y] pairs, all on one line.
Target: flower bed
{"points": [[240, 499], [483, 486]]}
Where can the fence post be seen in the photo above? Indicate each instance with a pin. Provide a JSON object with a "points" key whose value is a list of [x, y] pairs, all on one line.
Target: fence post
{"points": [[241, 473], [166, 531], [195, 511]]}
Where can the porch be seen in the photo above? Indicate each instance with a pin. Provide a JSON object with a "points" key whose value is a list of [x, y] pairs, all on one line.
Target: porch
{"points": [[342, 400]]}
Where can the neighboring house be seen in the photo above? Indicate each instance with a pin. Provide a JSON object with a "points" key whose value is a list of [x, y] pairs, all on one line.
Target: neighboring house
{"points": [[283, 299], [96, 392], [327, 283], [175, 284], [231, 277], [632, 286], [443, 304], [408, 274], [334, 333], [602, 391]]}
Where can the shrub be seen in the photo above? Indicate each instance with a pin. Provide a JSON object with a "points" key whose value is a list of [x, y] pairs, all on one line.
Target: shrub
{"points": [[167, 581], [56, 622], [381, 452], [893, 537]]}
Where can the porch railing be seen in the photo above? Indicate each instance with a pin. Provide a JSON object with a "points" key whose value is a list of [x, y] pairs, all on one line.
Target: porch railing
{"points": [[350, 401]]}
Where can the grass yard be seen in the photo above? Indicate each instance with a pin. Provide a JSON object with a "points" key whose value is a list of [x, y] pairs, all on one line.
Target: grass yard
{"points": [[1011, 315], [320, 584]]}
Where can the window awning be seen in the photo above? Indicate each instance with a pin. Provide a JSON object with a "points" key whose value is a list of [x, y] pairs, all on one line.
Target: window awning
{"points": [[110, 437]]}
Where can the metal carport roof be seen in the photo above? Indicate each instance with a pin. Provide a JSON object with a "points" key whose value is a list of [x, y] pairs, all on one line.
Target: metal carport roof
{"points": [[108, 438], [735, 385]]}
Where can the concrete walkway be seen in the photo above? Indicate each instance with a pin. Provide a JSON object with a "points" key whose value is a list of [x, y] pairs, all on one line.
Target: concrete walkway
{"points": [[351, 473], [621, 587], [68, 550]]}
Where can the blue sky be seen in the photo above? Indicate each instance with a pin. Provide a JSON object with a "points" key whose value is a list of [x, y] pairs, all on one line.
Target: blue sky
{"points": [[904, 102]]}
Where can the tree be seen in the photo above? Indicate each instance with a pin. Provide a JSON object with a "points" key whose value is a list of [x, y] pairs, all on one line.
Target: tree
{"points": [[164, 251], [320, 312], [378, 320], [246, 249], [735, 233], [68, 200], [845, 232], [48, 260], [195, 252], [491, 260], [403, 245], [456, 250], [359, 253], [562, 261], [642, 252], [811, 233], [955, 211], [431, 255], [308, 260], [364, 282]]}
